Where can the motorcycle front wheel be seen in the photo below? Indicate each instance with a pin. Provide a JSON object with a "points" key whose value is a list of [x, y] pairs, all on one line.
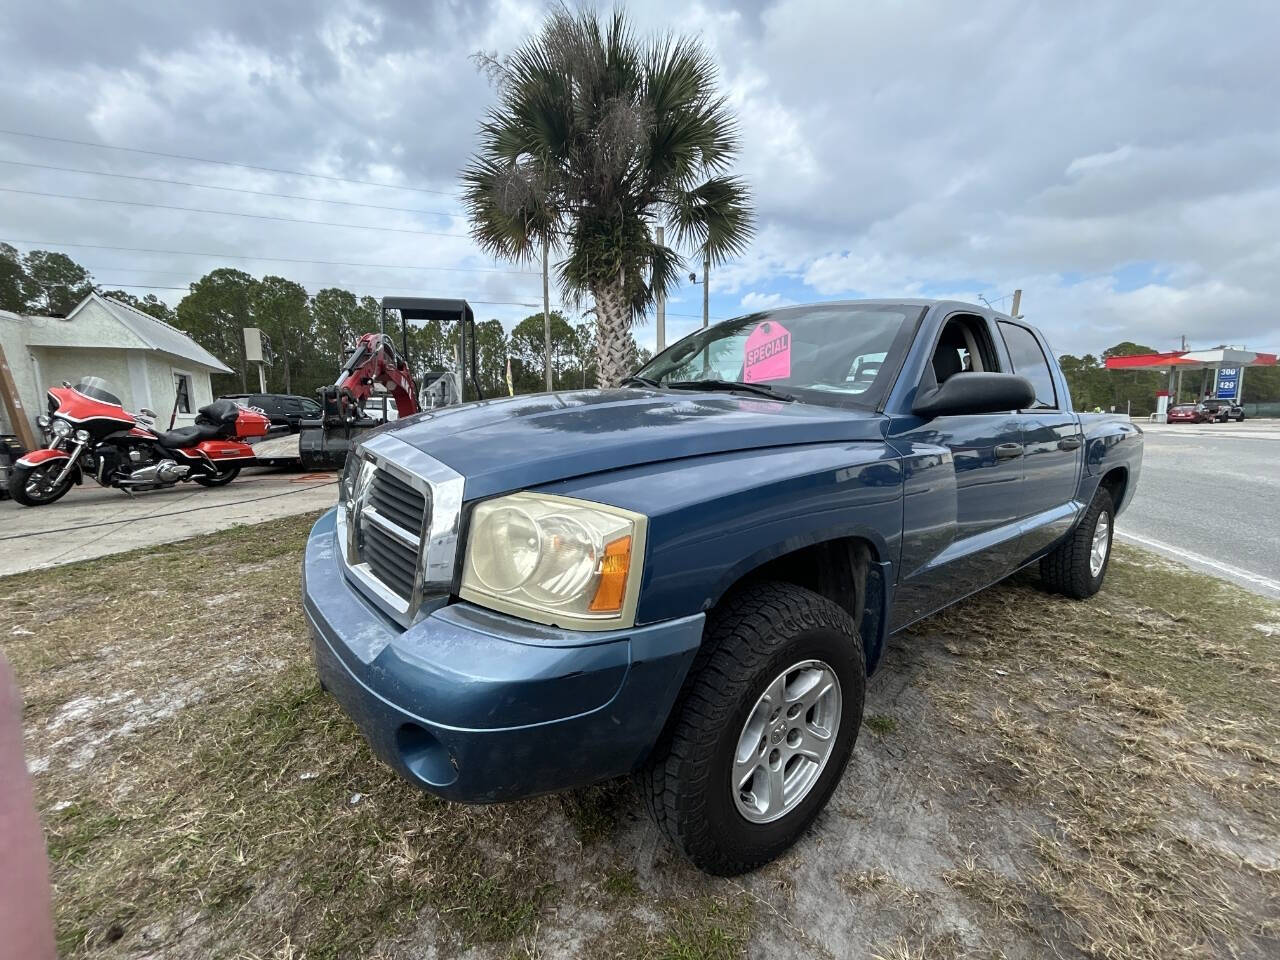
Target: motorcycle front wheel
{"points": [[36, 486], [219, 479]]}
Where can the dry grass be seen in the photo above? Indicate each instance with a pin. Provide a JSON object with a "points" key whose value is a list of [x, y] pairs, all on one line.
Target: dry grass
{"points": [[1097, 779]]}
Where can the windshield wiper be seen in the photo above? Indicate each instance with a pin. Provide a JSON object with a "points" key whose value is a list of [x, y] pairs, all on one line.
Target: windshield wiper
{"points": [[643, 381], [735, 386]]}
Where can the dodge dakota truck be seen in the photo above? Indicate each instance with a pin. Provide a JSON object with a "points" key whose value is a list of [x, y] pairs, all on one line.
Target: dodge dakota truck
{"points": [[688, 578]]}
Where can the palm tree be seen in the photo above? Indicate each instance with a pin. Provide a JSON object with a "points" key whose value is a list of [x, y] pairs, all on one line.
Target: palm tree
{"points": [[597, 137]]}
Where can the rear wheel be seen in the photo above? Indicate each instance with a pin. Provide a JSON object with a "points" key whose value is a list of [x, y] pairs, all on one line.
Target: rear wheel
{"points": [[220, 479], [763, 729], [37, 486], [1078, 565]]}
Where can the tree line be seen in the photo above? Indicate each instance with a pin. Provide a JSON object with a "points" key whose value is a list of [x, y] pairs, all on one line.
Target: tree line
{"points": [[310, 333]]}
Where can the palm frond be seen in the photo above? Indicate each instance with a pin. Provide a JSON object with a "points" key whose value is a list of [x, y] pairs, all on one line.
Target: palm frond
{"points": [[717, 214]]}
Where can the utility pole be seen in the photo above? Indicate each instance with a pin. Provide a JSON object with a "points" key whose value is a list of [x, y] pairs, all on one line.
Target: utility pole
{"points": [[546, 306], [706, 286], [661, 309]]}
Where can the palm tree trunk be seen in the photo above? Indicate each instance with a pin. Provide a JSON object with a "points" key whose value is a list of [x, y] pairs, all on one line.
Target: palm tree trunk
{"points": [[612, 328]]}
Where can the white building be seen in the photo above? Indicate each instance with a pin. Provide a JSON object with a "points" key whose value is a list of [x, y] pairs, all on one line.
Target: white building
{"points": [[147, 362]]}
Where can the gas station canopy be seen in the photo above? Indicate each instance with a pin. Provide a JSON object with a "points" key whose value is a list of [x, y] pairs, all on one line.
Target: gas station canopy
{"points": [[1193, 359], [1227, 381]]}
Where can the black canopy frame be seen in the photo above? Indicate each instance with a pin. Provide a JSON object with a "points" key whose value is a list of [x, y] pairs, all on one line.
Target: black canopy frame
{"points": [[424, 309]]}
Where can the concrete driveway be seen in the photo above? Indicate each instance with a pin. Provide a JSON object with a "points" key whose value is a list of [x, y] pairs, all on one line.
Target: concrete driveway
{"points": [[91, 521], [1209, 497]]}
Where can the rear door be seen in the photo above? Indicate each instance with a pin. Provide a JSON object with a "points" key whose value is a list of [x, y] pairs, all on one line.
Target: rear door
{"points": [[1052, 444]]}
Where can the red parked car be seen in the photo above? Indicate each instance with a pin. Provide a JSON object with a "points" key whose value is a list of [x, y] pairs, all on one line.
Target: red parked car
{"points": [[1189, 413]]}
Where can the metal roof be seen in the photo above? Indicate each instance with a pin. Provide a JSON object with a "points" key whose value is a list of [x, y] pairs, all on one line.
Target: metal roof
{"points": [[153, 334]]}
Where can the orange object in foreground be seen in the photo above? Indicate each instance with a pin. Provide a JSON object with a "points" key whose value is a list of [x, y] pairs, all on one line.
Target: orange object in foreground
{"points": [[613, 576]]}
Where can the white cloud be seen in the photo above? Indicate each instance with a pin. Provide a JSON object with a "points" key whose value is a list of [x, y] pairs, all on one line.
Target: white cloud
{"points": [[1108, 160], [763, 301]]}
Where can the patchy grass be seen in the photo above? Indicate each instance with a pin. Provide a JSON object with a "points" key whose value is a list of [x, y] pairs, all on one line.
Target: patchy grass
{"points": [[1043, 777], [879, 723]]}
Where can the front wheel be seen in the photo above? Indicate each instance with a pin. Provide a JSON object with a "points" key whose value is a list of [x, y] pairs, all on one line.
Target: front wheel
{"points": [[763, 730], [220, 479], [37, 486], [1078, 565]]}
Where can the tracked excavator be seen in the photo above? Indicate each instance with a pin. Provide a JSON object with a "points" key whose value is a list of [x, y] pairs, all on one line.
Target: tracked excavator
{"points": [[374, 361]]}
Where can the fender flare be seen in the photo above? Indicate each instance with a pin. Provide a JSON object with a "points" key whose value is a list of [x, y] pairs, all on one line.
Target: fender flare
{"points": [[37, 457]]}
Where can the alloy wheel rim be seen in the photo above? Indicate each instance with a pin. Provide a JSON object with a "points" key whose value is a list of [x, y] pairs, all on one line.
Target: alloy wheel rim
{"points": [[1101, 543], [786, 741], [40, 482]]}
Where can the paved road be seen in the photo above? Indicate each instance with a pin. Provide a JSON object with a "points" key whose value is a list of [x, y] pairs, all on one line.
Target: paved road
{"points": [[91, 521], [1210, 497]]}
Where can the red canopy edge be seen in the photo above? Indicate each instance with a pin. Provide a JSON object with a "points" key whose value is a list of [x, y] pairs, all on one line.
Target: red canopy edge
{"points": [[1149, 360]]}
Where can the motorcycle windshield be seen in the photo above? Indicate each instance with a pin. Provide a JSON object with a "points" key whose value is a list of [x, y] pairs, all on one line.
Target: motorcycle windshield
{"points": [[95, 388]]}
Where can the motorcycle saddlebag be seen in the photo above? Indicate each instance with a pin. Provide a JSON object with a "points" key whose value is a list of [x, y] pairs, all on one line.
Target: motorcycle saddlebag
{"points": [[250, 423]]}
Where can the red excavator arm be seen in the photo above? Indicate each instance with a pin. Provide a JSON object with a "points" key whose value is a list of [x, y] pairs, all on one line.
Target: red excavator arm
{"points": [[373, 361], [323, 443]]}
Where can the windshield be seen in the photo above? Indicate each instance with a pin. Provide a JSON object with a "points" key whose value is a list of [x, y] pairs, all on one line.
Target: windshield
{"points": [[95, 388], [832, 353]]}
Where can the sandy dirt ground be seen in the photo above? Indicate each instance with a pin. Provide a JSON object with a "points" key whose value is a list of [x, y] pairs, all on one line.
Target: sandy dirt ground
{"points": [[1035, 777]]}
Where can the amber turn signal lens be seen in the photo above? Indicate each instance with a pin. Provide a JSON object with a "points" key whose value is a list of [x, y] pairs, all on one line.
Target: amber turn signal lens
{"points": [[614, 567]]}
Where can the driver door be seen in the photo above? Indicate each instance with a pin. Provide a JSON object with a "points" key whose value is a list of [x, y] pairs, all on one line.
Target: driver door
{"points": [[962, 481]]}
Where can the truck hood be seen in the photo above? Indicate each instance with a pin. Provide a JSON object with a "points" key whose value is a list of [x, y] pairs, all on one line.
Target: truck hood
{"points": [[517, 442]]}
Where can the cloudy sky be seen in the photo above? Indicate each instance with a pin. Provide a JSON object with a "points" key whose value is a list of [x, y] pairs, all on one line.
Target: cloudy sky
{"points": [[1120, 162]]}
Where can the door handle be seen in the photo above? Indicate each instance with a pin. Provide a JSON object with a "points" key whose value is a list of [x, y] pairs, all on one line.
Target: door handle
{"points": [[1007, 451], [1069, 443]]}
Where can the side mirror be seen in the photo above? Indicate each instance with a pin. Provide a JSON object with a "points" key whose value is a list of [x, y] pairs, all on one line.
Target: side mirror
{"points": [[148, 413], [963, 393]]}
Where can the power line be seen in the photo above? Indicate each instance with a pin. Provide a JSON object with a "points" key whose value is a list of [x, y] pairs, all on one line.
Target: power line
{"points": [[225, 163], [113, 285], [231, 213], [239, 256], [306, 281], [211, 186], [328, 263]]}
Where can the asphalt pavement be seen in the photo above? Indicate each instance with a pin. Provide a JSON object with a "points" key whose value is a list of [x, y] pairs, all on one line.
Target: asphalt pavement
{"points": [[92, 521], [1209, 497]]}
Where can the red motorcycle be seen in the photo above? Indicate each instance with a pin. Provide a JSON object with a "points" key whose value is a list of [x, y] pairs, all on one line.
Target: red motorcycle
{"points": [[88, 430]]}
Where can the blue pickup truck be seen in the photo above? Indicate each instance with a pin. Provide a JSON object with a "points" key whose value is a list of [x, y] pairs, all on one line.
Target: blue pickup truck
{"points": [[689, 578]]}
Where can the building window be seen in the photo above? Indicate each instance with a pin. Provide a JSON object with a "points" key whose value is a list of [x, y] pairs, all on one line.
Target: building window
{"points": [[182, 384]]}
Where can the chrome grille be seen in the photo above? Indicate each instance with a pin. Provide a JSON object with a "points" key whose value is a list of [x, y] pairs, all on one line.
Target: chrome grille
{"points": [[399, 526], [390, 560], [397, 501]]}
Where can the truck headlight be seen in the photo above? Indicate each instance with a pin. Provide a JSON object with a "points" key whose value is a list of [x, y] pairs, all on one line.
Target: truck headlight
{"points": [[555, 560]]}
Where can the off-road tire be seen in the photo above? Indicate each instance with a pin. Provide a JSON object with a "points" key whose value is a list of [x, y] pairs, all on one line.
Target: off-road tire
{"points": [[1066, 569], [220, 479], [748, 641], [18, 484]]}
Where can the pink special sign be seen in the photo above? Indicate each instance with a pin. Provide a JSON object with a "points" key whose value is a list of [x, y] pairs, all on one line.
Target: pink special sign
{"points": [[767, 353]]}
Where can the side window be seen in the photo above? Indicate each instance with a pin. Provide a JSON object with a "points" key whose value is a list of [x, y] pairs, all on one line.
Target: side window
{"points": [[310, 408], [963, 347], [1029, 361], [182, 387]]}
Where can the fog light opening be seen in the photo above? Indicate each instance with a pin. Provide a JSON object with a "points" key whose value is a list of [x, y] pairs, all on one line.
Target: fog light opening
{"points": [[425, 756]]}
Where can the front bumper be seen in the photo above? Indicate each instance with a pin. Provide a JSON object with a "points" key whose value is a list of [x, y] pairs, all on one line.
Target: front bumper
{"points": [[477, 706]]}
